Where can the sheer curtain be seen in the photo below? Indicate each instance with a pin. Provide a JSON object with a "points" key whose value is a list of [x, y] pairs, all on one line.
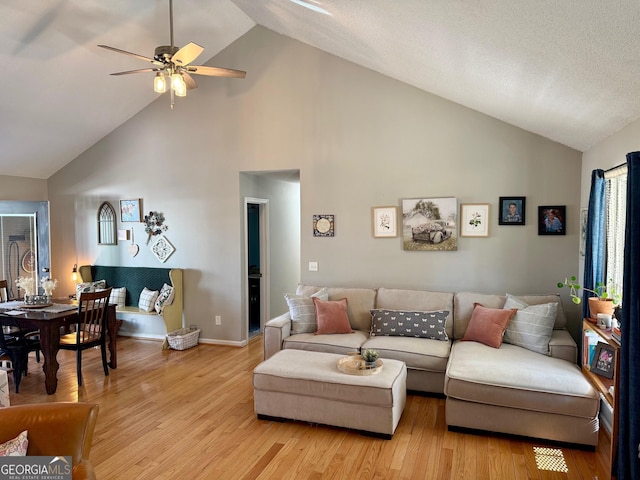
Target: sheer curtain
{"points": [[616, 194]]}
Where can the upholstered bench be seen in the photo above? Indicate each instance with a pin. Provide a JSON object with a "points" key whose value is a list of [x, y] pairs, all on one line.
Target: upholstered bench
{"points": [[307, 386]]}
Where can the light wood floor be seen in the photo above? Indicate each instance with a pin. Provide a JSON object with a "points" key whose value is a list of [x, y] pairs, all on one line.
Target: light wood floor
{"points": [[189, 415]]}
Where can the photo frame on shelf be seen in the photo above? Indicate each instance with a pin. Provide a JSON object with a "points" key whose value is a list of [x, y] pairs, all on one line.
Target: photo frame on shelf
{"points": [[474, 219], [384, 222], [512, 210], [552, 220], [131, 210], [603, 360], [323, 225]]}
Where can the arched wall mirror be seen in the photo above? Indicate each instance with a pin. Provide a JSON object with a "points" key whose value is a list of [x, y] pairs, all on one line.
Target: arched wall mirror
{"points": [[107, 225]]}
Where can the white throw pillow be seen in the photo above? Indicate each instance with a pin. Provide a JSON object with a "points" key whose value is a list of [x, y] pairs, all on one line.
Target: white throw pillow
{"points": [[303, 311], [147, 299], [165, 297], [532, 325], [118, 296]]}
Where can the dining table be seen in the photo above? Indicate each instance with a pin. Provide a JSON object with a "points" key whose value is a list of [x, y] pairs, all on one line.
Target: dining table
{"points": [[49, 320]]}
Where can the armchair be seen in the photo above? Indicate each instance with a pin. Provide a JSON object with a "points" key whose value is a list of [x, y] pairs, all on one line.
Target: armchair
{"points": [[62, 428]]}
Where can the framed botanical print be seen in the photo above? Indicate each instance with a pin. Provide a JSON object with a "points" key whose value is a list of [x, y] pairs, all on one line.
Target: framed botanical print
{"points": [[511, 210], [474, 220], [384, 222], [131, 210]]}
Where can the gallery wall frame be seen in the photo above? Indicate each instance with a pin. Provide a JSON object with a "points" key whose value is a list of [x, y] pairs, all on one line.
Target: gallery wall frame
{"points": [[430, 224], [324, 225], [384, 222], [512, 210], [474, 219], [131, 210], [552, 220]]}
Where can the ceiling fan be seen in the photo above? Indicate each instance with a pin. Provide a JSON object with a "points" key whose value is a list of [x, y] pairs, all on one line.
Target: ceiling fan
{"points": [[173, 68]]}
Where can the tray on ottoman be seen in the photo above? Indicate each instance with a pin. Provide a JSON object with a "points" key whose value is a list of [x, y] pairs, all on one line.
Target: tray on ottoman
{"points": [[308, 386]]}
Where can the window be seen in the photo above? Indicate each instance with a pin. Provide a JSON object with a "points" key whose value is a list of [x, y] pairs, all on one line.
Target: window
{"points": [[107, 225], [616, 204]]}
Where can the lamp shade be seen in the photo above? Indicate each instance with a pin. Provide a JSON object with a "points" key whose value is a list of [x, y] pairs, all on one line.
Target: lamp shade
{"points": [[159, 83]]}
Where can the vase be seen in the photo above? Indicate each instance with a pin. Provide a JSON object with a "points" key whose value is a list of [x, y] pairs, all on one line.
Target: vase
{"points": [[597, 305], [370, 364]]}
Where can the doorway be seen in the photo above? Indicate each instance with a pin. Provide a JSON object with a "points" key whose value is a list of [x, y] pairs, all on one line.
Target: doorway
{"points": [[256, 211]]}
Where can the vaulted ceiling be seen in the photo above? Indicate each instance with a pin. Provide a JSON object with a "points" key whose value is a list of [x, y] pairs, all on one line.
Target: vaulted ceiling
{"points": [[567, 70]]}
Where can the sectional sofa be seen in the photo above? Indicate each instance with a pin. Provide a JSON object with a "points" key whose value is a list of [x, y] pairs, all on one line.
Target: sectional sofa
{"points": [[525, 388]]}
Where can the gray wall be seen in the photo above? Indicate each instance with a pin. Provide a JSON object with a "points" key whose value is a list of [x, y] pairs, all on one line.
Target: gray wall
{"points": [[359, 139], [21, 188]]}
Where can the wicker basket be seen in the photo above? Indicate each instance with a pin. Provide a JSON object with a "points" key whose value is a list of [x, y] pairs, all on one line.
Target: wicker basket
{"points": [[183, 338]]}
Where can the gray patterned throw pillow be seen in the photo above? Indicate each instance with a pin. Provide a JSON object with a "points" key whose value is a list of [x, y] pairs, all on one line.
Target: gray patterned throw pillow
{"points": [[400, 323]]}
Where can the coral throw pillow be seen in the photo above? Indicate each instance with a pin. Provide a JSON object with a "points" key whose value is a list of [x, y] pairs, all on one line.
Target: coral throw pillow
{"points": [[487, 325], [16, 447], [331, 316]]}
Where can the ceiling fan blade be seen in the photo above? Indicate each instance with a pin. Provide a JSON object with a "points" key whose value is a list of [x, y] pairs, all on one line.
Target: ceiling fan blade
{"points": [[146, 59], [136, 71], [189, 81], [187, 54], [215, 71]]}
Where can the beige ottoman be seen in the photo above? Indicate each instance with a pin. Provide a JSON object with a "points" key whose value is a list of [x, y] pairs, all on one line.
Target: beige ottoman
{"points": [[307, 386]]}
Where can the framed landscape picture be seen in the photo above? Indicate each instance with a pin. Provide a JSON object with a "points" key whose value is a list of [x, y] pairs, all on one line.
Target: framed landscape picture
{"points": [[384, 222], [511, 210], [131, 210], [474, 220], [430, 224], [551, 220]]}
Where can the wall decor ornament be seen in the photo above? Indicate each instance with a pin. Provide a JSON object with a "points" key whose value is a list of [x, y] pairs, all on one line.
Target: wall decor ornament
{"points": [[430, 224], [131, 210], [474, 220], [385, 222], [323, 225], [154, 225], [162, 248], [512, 210]]}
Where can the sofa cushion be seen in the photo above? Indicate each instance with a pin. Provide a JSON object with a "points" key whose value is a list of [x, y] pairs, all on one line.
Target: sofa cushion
{"points": [[401, 323], [514, 377], [344, 344], [463, 307], [303, 311], [418, 353], [331, 316], [532, 325], [487, 325], [360, 301]]}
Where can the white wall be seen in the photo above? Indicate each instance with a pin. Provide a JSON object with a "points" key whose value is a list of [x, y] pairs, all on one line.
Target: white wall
{"points": [[359, 139]]}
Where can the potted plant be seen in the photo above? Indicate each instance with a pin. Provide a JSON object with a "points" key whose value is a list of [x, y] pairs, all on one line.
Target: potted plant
{"points": [[605, 300], [370, 356]]}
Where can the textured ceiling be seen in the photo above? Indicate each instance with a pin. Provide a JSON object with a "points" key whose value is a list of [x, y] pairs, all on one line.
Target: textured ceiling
{"points": [[567, 70]]}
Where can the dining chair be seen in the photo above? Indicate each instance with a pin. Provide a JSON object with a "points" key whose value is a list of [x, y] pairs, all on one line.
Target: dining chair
{"points": [[11, 331], [17, 348], [91, 328]]}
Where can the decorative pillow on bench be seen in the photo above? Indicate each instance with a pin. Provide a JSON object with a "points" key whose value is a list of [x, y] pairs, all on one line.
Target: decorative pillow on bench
{"points": [[165, 297], [401, 323], [118, 296], [147, 300], [89, 287]]}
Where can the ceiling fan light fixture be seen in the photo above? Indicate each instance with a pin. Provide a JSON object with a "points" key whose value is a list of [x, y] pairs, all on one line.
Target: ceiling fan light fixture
{"points": [[159, 83], [178, 85]]}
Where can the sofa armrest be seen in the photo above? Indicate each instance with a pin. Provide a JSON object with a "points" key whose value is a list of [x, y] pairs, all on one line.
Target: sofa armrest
{"points": [[275, 331], [563, 346]]}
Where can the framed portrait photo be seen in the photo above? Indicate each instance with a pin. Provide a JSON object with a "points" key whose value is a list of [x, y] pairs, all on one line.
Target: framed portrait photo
{"points": [[474, 219], [603, 360], [384, 222], [511, 210], [131, 210], [551, 220]]}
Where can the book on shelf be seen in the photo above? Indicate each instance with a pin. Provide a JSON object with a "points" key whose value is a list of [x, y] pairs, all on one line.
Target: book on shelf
{"points": [[615, 335]]}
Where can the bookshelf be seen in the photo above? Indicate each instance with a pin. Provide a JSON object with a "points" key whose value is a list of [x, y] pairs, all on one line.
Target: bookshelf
{"points": [[599, 382]]}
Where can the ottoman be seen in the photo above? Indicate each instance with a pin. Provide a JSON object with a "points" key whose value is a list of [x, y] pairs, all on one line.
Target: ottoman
{"points": [[303, 385]]}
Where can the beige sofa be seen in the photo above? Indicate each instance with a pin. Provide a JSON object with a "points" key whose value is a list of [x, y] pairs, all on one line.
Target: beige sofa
{"points": [[509, 389]]}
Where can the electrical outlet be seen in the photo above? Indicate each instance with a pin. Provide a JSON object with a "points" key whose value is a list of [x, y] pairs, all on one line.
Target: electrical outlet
{"points": [[313, 266], [218, 320]]}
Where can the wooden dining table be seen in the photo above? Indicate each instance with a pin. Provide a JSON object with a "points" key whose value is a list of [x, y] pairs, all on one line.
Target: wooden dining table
{"points": [[49, 321]]}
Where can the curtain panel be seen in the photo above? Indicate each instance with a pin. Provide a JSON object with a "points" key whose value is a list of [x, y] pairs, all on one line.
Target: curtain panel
{"points": [[596, 238]]}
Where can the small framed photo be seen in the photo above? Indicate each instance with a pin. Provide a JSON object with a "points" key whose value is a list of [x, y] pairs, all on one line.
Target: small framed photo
{"points": [[384, 222], [131, 210], [551, 220], [474, 219], [511, 210], [603, 360], [323, 225]]}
